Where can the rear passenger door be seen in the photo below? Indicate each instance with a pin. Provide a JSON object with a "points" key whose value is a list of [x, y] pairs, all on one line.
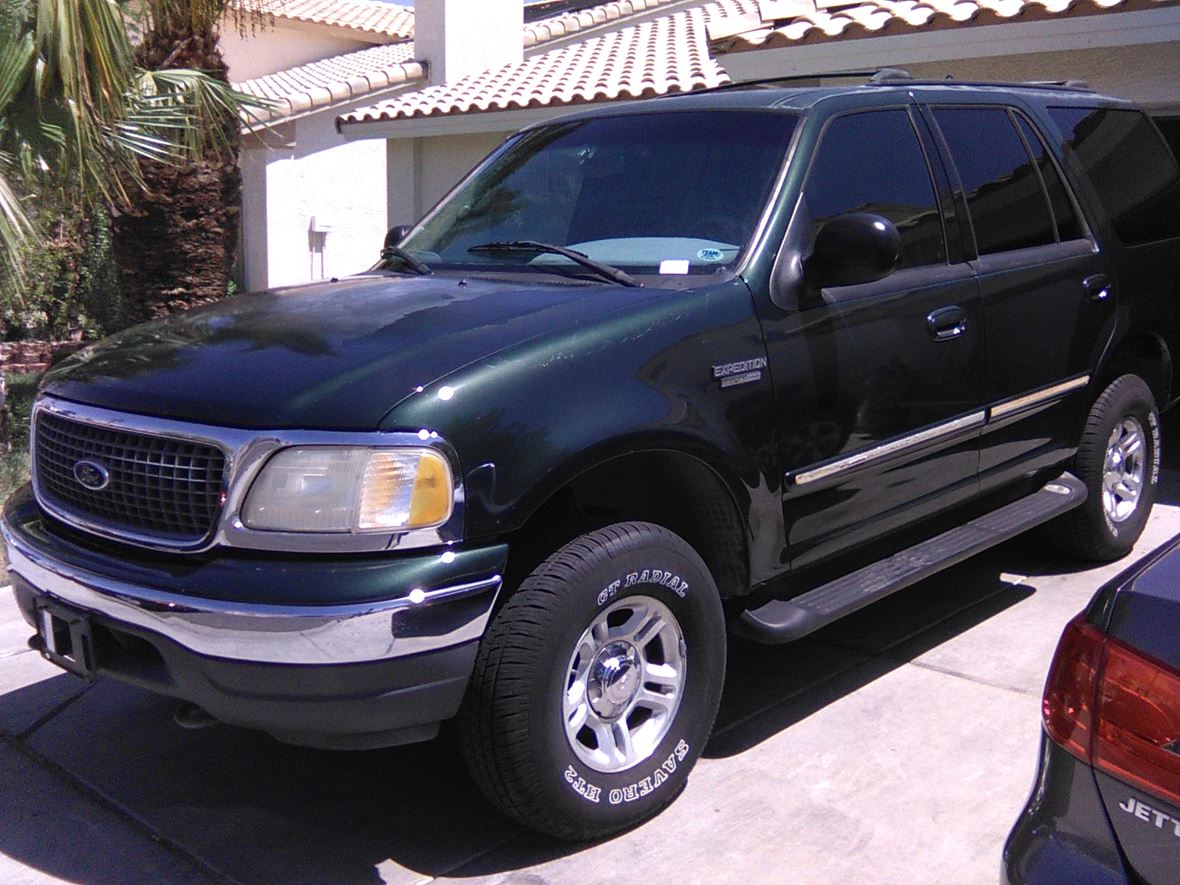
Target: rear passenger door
{"points": [[1048, 297]]}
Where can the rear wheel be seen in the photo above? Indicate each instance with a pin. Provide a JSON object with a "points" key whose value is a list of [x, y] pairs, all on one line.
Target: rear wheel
{"points": [[1118, 459], [597, 683]]}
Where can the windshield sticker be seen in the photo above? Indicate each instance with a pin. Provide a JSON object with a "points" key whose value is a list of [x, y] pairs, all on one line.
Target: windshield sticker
{"points": [[711, 255], [674, 266]]}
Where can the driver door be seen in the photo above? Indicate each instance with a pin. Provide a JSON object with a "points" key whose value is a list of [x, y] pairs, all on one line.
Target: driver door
{"points": [[879, 385]]}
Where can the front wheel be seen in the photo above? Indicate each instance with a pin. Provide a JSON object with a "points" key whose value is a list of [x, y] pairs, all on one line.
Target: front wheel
{"points": [[597, 683], [1118, 459]]}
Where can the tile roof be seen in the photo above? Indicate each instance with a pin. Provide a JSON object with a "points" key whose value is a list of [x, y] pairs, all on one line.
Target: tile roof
{"points": [[558, 26], [381, 19], [350, 75], [779, 23], [655, 57], [339, 78], [398, 21]]}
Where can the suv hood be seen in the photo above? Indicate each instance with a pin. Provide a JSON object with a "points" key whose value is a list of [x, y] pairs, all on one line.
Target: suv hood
{"points": [[330, 355]]}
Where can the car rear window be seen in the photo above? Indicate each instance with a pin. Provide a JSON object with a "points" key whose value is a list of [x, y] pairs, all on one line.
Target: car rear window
{"points": [[1131, 167], [1007, 204]]}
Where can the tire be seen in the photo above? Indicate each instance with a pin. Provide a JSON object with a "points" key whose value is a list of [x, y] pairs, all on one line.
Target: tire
{"points": [[570, 725], [1118, 459]]}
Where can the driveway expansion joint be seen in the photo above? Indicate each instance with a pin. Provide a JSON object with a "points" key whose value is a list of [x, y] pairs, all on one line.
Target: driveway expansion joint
{"points": [[115, 807], [50, 715], [1027, 692], [459, 867]]}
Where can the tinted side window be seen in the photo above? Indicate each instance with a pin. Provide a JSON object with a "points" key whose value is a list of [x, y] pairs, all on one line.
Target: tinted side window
{"points": [[872, 162], [1003, 191], [1064, 215], [1131, 168]]}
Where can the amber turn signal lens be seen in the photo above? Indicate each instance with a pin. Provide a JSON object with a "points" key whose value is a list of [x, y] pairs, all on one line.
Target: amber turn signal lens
{"points": [[405, 489], [433, 494]]}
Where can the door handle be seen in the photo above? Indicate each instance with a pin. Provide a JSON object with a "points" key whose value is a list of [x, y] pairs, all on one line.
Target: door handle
{"points": [[947, 323], [1097, 286]]}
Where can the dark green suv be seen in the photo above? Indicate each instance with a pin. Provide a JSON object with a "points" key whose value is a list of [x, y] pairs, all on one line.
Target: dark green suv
{"points": [[746, 359]]}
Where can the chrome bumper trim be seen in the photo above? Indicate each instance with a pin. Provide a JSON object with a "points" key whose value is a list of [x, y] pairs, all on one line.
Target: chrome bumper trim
{"points": [[270, 634]]}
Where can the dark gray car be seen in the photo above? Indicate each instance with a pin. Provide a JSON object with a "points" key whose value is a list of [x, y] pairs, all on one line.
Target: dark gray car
{"points": [[1105, 806]]}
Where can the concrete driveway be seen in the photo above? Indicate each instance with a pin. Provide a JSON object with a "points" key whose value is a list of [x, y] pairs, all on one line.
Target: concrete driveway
{"points": [[894, 747]]}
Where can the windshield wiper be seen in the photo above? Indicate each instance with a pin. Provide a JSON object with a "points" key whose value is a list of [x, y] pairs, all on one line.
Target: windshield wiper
{"points": [[603, 270], [409, 260]]}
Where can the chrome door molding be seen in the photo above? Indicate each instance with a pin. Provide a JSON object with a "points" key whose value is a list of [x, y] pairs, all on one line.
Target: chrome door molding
{"points": [[936, 432]]}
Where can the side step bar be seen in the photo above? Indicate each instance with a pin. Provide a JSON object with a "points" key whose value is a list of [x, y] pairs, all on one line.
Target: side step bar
{"points": [[784, 620]]}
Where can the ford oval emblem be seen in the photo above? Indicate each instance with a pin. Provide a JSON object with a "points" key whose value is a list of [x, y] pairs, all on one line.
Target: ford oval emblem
{"points": [[92, 475]]}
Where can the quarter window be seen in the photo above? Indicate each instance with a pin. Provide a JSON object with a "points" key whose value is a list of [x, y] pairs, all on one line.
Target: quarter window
{"points": [[1131, 167], [873, 162], [1064, 215], [1004, 196]]}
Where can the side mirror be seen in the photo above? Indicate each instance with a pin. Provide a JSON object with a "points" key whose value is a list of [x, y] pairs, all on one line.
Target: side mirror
{"points": [[855, 248], [396, 235]]}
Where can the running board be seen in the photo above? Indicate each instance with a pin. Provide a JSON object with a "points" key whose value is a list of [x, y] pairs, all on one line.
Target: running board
{"points": [[784, 620]]}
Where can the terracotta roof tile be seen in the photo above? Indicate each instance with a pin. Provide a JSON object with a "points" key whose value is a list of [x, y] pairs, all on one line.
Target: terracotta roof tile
{"points": [[544, 30], [398, 21], [782, 23], [655, 57], [331, 80], [385, 19], [336, 79]]}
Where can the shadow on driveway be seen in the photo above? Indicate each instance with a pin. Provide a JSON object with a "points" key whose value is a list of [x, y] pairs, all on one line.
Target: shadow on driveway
{"points": [[242, 806]]}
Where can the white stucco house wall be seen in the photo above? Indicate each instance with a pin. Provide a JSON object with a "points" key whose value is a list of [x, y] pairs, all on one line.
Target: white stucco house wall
{"points": [[311, 201], [373, 136]]}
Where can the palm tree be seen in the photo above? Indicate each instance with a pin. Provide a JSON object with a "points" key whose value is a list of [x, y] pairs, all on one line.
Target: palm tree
{"points": [[77, 115], [175, 248]]}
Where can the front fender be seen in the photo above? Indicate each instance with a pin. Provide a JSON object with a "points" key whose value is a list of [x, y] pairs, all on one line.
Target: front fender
{"points": [[527, 421]]}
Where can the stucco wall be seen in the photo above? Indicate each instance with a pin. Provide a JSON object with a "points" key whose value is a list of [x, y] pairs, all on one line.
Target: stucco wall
{"points": [[341, 185], [1132, 54], [1149, 74], [270, 49]]}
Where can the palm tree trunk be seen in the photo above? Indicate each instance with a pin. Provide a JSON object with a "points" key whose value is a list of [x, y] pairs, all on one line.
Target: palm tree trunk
{"points": [[175, 247]]}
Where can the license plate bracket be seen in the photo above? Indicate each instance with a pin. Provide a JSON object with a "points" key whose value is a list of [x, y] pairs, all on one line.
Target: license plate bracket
{"points": [[66, 639]]}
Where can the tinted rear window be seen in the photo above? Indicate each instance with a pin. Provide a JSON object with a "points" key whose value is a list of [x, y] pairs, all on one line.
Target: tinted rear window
{"points": [[1131, 167], [1068, 226], [1007, 204]]}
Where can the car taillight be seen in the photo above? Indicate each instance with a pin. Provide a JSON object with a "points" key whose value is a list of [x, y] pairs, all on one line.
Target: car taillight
{"points": [[1068, 705], [1138, 717], [1116, 709]]}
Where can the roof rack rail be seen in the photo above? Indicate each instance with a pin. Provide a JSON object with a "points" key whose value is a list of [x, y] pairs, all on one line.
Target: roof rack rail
{"points": [[890, 75], [877, 75], [1066, 84], [1072, 85]]}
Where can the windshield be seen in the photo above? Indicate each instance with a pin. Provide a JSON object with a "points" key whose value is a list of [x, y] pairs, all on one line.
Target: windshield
{"points": [[660, 193]]}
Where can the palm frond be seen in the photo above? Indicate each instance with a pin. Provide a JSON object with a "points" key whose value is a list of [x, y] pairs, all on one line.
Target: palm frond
{"points": [[15, 227], [201, 15], [198, 110]]}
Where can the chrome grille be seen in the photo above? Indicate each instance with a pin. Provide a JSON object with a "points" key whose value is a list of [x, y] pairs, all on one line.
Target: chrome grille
{"points": [[161, 487]]}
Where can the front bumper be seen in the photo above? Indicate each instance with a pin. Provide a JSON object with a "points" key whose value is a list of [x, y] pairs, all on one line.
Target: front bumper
{"points": [[328, 651]]}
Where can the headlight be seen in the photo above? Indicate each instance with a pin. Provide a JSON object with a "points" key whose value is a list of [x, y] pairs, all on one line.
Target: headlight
{"points": [[343, 489]]}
